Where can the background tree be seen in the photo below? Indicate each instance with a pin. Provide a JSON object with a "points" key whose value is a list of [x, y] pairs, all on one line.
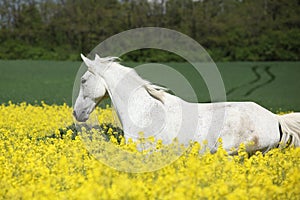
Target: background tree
{"points": [[229, 29]]}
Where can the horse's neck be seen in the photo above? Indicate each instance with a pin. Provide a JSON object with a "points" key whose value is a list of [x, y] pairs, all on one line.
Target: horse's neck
{"points": [[128, 95], [122, 80], [115, 74]]}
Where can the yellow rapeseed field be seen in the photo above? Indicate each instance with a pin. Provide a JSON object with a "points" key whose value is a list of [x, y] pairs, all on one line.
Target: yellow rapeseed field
{"points": [[36, 163]]}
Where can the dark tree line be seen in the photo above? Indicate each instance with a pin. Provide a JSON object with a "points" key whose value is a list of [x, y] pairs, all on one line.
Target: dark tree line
{"points": [[228, 29]]}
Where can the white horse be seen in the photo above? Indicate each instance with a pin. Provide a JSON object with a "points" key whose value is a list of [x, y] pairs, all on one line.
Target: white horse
{"points": [[144, 107]]}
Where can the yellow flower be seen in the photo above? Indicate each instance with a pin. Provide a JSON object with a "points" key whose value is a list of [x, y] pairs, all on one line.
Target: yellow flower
{"points": [[37, 163]]}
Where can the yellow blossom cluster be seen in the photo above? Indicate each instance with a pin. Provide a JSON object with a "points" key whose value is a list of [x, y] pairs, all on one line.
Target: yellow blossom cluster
{"points": [[38, 162]]}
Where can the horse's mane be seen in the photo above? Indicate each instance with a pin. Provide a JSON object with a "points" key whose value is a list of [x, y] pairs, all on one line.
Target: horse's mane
{"points": [[107, 59], [155, 91]]}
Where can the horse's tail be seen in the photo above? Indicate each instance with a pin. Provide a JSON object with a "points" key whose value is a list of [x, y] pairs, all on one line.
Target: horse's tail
{"points": [[290, 129]]}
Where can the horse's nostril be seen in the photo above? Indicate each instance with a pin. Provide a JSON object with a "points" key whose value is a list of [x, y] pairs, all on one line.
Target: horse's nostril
{"points": [[74, 114]]}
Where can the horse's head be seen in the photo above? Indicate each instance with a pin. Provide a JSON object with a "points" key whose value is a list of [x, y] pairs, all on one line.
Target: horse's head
{"points": [[92, 90]]}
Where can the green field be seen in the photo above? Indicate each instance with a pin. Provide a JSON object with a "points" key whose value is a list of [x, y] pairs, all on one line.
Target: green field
{"points": [[274, 85], [34, 81]]}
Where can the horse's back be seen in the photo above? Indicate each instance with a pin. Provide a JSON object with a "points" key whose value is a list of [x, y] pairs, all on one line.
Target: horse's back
{"points": [[245, 122]]}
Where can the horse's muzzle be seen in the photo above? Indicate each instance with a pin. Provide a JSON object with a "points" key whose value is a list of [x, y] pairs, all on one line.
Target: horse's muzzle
{"points": [[79, 117]]}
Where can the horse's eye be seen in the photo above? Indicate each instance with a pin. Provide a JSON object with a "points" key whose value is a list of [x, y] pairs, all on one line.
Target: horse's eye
{"points": [[83, 81]]}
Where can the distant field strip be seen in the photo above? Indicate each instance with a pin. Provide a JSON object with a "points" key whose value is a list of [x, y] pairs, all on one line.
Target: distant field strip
{"points": [[274, 85]]}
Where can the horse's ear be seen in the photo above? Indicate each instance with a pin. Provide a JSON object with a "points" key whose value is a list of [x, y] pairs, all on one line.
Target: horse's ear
{"points": [[97, 57], [89, 63]]}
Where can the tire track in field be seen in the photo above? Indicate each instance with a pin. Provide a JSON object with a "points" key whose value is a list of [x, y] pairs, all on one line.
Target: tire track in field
{"points": [[257, 78], [271, 77], [257, 83]]}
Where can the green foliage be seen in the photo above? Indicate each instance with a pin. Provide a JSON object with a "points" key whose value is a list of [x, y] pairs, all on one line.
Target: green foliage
{"points": [[253, 30], [107, 131], [151, 55]]}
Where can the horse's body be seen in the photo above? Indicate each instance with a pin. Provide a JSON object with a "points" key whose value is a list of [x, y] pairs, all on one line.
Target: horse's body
{"points": [[143, 107]]}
